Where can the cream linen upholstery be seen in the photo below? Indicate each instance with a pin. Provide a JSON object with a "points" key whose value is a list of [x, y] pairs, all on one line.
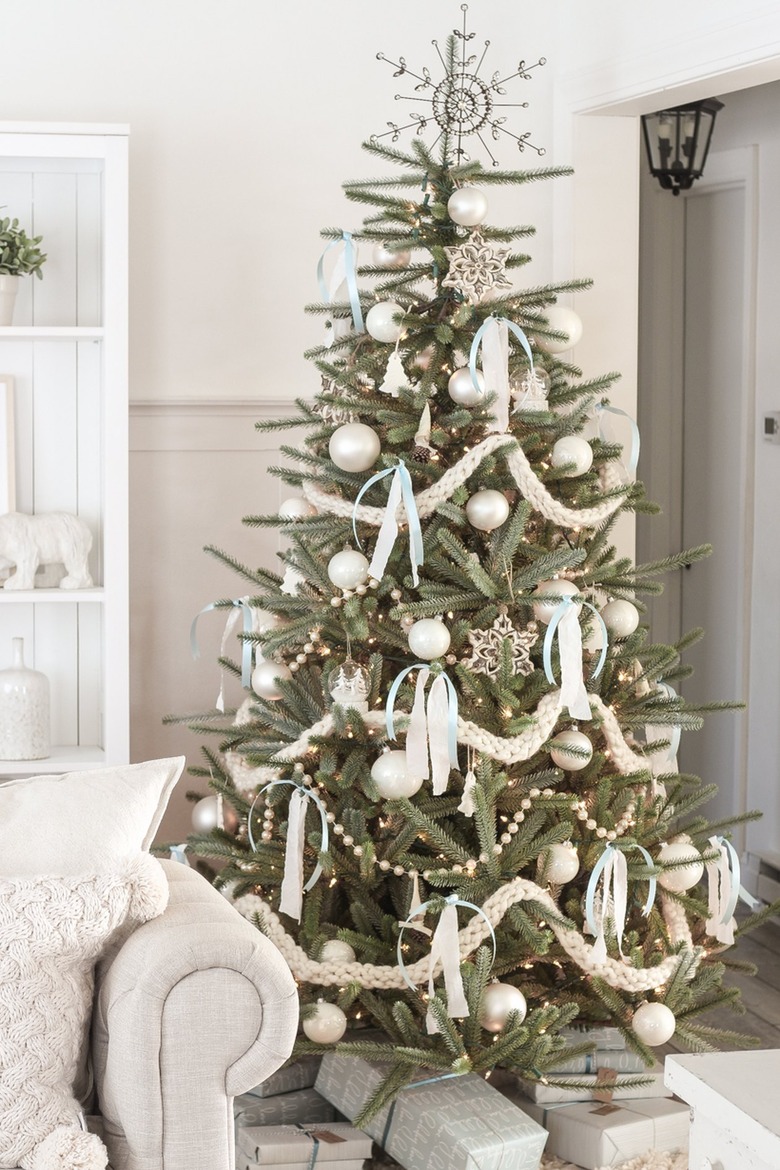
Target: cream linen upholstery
{"points": [[194, 1008]]}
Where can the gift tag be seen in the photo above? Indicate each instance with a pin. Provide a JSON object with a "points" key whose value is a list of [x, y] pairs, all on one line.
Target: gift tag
{"points": [[605, 1082], [325, 1135]]}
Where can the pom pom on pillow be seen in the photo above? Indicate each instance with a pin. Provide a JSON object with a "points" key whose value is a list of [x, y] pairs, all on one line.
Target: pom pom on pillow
{"points": [[69, 1149]]}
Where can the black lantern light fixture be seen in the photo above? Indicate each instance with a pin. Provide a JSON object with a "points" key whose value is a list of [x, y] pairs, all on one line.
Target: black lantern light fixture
{"points": [[678, 141]]}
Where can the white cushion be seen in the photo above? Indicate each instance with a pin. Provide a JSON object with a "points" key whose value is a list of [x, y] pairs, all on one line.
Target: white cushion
{"points": [[82, 822], [52, 931]]}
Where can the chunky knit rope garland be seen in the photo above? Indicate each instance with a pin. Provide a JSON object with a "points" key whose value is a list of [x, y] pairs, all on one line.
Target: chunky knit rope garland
{"points": [[429, 500]]}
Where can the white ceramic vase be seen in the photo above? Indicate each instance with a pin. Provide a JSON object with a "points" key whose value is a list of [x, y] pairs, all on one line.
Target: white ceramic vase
{"points": [[24, 710], [9, 286]]}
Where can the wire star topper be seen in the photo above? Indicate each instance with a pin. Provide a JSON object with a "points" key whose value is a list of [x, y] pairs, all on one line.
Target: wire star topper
{"points": [[462, 103]]}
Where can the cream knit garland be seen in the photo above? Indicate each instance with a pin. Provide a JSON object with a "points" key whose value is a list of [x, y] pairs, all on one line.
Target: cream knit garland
{"points": [[429, 500]]}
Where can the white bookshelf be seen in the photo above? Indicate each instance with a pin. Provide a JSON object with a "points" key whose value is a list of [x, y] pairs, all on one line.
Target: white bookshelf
{"points": [[67, 354]]}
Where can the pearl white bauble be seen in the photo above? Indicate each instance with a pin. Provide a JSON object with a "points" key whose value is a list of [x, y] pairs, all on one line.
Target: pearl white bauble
{"points": [[391, 778], [561, 320], [380, 324], [573, 453], [336, 951], [620, 617], [560, 863], [429, 638], [205, 815], [487, 509], [296, 508], [557, 589], [327, 1025], [263, 621], [348, 569], [385, 257], [462, 390], [566, 759], [266, 678], [467, 206], [654, 1024], [498, 1000], [687, 876], [354, 447]]}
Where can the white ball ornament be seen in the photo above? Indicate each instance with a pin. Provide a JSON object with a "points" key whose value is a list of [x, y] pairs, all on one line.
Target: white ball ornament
{"points": [[687, 876], [462, 390], [560, 863], [327, 1025], [205, 815], [429, 639], [620, 617], [555, 590], [487, 509], [348, 569], [391, 777], [560, 319], [572, 454], [385, 257], [266, 678], [296, 508], [336, 951], [498, 1001], [263, 621], [380, 324], [467, 206], [654, 1024], [562, 755], [354, 447]]}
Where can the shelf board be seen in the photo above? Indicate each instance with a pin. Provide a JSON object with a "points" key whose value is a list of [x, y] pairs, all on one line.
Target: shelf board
{"points": [[67, 758], [51, 332], [55, 596]]}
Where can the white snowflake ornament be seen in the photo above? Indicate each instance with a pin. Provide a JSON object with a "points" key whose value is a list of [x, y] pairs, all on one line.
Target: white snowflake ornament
{"points": [[476, 268], [487, 646]]}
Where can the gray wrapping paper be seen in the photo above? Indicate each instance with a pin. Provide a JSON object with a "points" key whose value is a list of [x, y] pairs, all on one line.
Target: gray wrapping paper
{"points": [[300, 1074], [280, 1145], [305, 1106]]}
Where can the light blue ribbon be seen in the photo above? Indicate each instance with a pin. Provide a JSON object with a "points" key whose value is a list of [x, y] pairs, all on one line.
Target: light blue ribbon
{"points": [[596, 874], [323, 822], [515, 329], [179, 853], [633, 458], [452, 716], [451, 900], [550, 635], [315, 1148], [246, 650], [416, 554], [737, 891], [351, 277]]}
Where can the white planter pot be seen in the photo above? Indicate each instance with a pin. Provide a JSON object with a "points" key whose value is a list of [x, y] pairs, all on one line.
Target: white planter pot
{"points": [[9, 286]]}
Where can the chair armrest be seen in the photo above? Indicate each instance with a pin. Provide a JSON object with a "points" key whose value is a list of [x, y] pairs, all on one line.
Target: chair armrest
{"points": [[195, 1007]]}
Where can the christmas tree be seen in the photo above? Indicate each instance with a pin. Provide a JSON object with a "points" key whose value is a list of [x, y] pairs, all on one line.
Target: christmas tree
{"points": [[454, 797]]}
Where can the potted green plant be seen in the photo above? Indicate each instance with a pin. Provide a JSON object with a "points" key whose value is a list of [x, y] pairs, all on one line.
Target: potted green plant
{"points": [[20, 255]]}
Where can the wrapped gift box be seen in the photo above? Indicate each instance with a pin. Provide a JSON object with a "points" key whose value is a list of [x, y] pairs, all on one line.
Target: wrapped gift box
{"points": [[593, 1135], [601, 1087], [300, 1074], [337, 1144], [305, 1106], [458, 1123], [354, 1164], [605, 1038], [591, 1062]]}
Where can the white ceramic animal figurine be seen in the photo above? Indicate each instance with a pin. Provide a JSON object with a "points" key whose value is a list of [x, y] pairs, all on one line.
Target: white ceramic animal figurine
{"points": [[46, 539]]}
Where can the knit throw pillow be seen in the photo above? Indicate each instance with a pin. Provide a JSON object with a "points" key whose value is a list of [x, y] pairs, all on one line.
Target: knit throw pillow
{"points": [[52, 932]]}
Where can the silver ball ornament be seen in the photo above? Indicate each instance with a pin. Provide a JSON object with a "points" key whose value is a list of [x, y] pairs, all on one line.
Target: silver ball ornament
{"points": [[561, 320], [336, 951], [354, 447], [467, 206], [572, 454], [296, 508], [380, 324], [687, 876], [429, 639], [498, 1001], [385, 257], [390, 775], [205, 815], [266, 678], [462, 390], [555, 590], [654, 1024], [561, 754], [559, 863], [348, 569], [327, 1025], [620, 617], [487, 509]]}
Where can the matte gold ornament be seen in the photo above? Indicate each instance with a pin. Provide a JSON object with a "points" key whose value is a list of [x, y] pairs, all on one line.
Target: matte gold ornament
{"points": [[476, 268], [487, 647]]}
